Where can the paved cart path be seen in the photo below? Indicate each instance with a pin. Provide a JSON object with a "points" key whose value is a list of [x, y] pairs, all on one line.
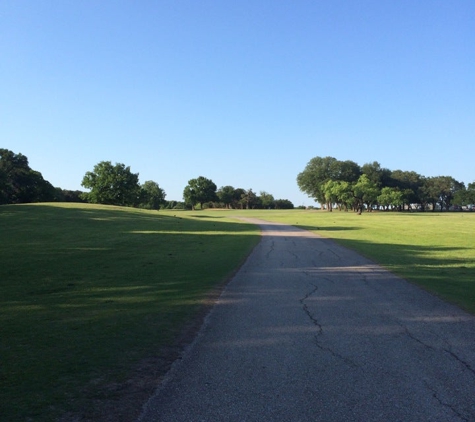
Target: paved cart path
{"points": [[310, 331]]}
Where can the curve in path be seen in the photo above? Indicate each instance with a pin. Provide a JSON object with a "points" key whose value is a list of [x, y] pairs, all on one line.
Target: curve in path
{"points": [[310, 331]]}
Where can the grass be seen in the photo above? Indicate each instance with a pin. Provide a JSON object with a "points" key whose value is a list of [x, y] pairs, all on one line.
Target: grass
{"points": [[88, 291]]}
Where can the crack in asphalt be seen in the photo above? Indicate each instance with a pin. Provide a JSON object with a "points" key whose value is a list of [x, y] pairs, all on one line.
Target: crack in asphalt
{"points": [[320, 330], [458, 359], [271, 249], [444, 404], [307, 311], [294, 255], [413, 337], [334, 253]]}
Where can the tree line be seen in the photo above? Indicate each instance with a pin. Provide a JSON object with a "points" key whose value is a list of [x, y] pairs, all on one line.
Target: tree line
{"points": [[116, 184], [348, 186], [204, 192], [21, 184]]}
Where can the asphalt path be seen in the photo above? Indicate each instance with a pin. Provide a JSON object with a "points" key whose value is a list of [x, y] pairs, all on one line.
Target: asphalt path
{"points": [[310, 331]]}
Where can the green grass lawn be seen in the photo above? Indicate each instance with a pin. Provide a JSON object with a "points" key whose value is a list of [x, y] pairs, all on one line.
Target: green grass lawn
{"points": [[88, 291]]}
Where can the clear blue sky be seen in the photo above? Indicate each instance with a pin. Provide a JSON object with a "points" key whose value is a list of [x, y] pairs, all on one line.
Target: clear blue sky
{"points": [[244, 92]]}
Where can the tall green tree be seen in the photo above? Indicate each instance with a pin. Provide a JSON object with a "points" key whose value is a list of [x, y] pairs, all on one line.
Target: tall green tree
{"points": [[409, 184], [237, 198], [21, 184], [440, 191], [249, 199], [112, 185], [317, 172], [283, 204], [266, 200], [366, 192], [346, 171], [391, 197], [199, 191], [378, 175], [152, 196], [464, 197], [321, 170], [339, 192], [226, 195]]}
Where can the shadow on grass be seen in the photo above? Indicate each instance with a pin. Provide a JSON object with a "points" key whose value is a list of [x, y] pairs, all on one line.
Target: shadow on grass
{"points": [[85, 293], [326, 228], [446, 271]]}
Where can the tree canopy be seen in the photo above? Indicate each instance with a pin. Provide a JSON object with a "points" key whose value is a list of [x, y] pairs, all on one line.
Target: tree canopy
{"points": [[199, 191], [330, 181], [19, 183], [152, 196], [112, 185]]}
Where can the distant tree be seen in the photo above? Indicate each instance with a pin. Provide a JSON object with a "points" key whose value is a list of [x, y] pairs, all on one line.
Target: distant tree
{"points": [[391, 197], [249, 199], [470, 194], [112, 185], [410, 184], [378, 175], [329, 193], [199, 191], [317, 172], [19, 183], [64, 195], [152, 197], [283, 204], [440, 191], [174, 205], [366, 192], [237, 198], [465, 196], [347, 171], [340, 193], [266, 200], [226, 195]]}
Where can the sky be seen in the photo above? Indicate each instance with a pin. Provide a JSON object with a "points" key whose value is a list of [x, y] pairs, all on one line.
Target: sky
{"points": [[243, 92]]}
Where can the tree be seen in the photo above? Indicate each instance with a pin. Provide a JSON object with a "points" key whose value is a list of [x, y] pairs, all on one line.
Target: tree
{"points": [[378, 175], [237, 198], [317, 172], [65, 195], [339, 192], [266, 200], [329, 194], [440, 190], [199, 191], [347, 171], [391, 197], [111, 185], [365, 192], [19, 183], [283, 204], [470, 194], [410, 184], [226, 195], [151, 195], [249, 199]]}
